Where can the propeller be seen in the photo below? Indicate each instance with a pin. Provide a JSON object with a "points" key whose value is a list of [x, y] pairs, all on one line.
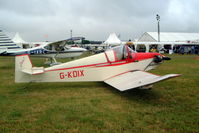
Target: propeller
{"points": [[159, 58], [166, 58]]}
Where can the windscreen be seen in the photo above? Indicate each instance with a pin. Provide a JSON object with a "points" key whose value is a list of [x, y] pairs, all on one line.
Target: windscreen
{"points": [[48, 47], [122, 52]]}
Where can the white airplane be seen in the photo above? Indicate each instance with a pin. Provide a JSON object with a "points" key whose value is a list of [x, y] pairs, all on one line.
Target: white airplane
{"points": [[119, 67], [47, 50], [52, 50]]}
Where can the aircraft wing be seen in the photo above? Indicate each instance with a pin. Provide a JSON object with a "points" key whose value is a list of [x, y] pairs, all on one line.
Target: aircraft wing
{"points": [[135, 79], [59, 43]]}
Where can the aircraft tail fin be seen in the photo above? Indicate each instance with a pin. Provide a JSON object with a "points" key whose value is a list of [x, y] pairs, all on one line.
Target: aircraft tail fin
{"points": [[24, 69]]}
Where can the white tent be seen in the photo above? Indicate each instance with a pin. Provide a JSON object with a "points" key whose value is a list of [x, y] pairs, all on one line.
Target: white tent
{"points": [[113, 40], [168, 37], [17, 39]]}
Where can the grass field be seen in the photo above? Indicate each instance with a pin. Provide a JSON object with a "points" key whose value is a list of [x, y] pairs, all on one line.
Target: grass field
{"points": [[92, 107]]}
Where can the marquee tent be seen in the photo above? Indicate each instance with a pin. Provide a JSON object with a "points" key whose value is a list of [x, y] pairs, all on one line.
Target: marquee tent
{"points": [[19, 41], [113, 40]]}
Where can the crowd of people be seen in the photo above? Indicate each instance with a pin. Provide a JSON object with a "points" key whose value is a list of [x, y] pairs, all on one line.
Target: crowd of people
{"points": [[184, 49], [179, 49]]}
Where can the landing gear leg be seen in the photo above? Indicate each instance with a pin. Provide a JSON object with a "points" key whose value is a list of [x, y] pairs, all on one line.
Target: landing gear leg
{"points": [[54, 62]]}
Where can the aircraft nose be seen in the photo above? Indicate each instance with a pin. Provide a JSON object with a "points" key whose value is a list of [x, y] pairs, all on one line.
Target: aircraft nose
{"points": [[160, 58]]}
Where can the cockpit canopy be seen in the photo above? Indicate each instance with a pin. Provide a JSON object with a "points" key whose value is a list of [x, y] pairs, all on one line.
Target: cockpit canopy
{"points": [[118, 53]]}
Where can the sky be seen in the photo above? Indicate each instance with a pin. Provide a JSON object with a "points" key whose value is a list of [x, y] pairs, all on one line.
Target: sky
{"points": [[52, 20]]}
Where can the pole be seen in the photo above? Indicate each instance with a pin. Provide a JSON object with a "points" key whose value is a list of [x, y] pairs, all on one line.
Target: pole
{"points": [[158, 19], [71, 34], [158, 31]]}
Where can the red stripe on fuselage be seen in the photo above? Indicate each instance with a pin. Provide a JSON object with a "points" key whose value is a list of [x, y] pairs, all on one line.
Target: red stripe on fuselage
{"points": [[76, 67], [138, 57]]}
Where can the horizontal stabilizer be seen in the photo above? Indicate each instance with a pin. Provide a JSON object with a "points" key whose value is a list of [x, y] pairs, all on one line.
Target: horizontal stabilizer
{"points": [[136, 79], [34, 70]]}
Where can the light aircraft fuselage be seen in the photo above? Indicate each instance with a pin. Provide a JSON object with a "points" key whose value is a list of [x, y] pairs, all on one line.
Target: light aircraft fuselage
{"points": [[119, 67]]}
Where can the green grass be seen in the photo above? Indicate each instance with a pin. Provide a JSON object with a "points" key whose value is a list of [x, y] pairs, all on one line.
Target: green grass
{"points": [[171, 106]]}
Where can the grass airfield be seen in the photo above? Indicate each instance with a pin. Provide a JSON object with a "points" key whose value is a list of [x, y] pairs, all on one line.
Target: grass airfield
{"points": [[171, 106]]}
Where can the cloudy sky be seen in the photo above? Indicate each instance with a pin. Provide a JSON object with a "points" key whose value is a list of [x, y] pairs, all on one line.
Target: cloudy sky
{"points": [[41, 20]]}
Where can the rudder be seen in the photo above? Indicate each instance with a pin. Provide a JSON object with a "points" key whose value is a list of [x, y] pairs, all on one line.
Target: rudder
{"points": [[22, 62]]}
